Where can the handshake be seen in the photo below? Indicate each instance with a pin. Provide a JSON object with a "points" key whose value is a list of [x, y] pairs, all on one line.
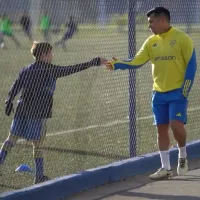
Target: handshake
{"points": [[108, 63]]}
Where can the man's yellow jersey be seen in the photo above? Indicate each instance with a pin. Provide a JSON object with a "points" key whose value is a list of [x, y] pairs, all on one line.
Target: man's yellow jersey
{"points": [[173, 60]]}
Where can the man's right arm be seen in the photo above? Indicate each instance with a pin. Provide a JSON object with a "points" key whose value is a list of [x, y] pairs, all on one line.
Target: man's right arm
{"points": [[60, 71], [140, 59], [15, 89]]}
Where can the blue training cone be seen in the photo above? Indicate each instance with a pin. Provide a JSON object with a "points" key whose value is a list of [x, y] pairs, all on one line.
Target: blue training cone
{"points": [[24, 168]]}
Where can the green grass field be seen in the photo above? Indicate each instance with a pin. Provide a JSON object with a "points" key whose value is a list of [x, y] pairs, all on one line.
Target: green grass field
{"points": [[90, 125]]}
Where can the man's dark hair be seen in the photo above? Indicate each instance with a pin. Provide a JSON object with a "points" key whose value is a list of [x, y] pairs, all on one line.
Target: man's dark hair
{"points": [[158, 11], [40, 48]]}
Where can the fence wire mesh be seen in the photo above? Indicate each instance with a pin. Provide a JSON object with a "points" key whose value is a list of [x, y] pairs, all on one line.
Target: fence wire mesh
{"points": [[90, 122]]}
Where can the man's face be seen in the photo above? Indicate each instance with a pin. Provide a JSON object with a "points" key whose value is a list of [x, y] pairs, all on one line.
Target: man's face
{"points": [[155, 24]]}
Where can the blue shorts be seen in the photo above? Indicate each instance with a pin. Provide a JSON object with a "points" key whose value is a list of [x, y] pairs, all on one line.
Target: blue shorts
{"points": [[28, 129], [169, 106]]}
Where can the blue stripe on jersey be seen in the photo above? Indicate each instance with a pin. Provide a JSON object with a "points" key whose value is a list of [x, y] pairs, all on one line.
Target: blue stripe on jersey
{"points": [[189, 75]]}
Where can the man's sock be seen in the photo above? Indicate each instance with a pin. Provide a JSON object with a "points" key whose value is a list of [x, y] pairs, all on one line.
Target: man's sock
{"points": [[165, 159], [182, 152]]}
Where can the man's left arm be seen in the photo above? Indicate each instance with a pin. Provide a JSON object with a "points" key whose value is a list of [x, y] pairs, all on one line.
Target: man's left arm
{"points": [[189, 56], [139, 60]]}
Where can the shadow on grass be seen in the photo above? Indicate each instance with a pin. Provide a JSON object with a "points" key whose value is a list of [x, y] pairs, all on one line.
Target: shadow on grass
{"points": [[13, 187], [80, 152]]}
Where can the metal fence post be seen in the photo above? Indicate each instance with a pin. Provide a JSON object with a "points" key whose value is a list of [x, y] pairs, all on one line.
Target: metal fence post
{"points": [[132, 78]]}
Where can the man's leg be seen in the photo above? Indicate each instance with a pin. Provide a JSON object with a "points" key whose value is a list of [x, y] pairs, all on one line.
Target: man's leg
{"points": [[66, 37], [58, 43], [6, 147], [64, 47], [161, 120], [163, 141], [28, 33], [62, 43], [38, 156], [2, 44], [178, 117], [15, 40]]}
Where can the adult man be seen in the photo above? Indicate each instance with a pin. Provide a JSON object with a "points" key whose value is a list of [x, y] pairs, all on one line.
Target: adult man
{"points": [[37, 83], [70, 31], [25, 22], [173, 59]]}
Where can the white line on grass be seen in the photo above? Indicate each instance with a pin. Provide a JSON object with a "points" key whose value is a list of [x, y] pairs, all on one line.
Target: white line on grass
{"points": [[116, 122]]}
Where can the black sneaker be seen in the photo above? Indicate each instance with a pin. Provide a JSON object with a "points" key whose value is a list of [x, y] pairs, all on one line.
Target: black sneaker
{"points": [[41, 180]]}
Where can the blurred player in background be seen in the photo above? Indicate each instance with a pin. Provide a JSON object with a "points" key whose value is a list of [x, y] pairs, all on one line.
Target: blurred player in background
{"points": [[45, 24], [37, 83], [25, 22], [1, 35], [173, 59], [71, 29], [6, 30], [122, 22]]}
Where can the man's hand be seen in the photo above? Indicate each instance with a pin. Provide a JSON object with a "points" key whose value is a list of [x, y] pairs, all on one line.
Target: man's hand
{"points": [[8, 107], [108, 64]]}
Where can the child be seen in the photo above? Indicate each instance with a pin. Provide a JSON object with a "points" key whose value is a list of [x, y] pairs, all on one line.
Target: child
{"points": [[37, 84]]}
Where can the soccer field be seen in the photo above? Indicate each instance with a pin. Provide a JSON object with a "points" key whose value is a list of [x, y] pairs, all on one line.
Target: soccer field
{"points": [[90, 125]]}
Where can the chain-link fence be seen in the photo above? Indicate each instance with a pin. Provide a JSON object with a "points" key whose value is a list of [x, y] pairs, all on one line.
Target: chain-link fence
{"points": [[90, 123]]}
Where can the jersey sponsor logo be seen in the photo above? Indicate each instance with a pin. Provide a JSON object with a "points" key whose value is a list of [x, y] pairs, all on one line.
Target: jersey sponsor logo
{"points": [[172, 43], [178, 114], [165, 58], [155, 45]]}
